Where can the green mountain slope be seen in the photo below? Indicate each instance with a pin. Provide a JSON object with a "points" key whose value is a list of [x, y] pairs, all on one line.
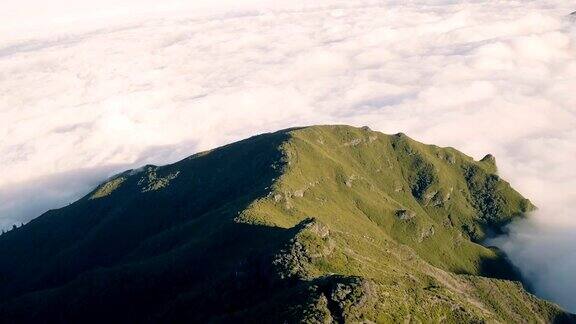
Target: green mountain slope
{"points": [[317, 224]]}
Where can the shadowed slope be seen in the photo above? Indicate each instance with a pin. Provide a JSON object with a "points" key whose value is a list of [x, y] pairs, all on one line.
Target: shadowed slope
{"points": [[139, 214]]}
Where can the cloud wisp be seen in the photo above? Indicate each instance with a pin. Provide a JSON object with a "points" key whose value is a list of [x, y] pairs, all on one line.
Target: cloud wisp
{"points": [[482, 76]]}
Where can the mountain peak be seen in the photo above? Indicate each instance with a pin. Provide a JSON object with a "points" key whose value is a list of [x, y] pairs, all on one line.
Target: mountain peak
{"points": [[490, 161], [320, 223]]}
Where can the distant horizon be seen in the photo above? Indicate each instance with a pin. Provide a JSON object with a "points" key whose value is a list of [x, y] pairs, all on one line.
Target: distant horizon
{"points": [[90, 89]]}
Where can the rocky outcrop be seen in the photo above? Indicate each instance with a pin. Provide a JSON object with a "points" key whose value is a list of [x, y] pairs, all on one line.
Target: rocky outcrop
{"points": [[311, 242], [152, 180], [405, 214], [338, 299], [107, 188]]}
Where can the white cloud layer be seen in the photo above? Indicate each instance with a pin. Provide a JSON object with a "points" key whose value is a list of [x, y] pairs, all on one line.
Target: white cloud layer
{"points": [[81, 99]]}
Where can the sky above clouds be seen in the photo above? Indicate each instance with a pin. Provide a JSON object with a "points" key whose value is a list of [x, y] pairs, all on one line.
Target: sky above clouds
{"points": [[90, 89]]}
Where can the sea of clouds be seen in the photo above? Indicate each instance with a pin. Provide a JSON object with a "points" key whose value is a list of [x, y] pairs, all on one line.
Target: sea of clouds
{"points": [[87, 93]]}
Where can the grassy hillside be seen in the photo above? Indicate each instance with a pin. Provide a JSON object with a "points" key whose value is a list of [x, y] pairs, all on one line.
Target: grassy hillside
{"points": [[317, 224]]}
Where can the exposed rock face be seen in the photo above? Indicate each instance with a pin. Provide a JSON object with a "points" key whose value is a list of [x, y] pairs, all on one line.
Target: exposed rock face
{"points": [[108, 187], [426, 233], [338, 299], [489, 158], [152, 181], [310, 243], [490, 161], [351, 298], [405, 214], [353, 142]]}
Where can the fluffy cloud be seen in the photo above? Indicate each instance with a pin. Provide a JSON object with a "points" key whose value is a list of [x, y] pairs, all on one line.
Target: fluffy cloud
{"points": [[90, 100]]}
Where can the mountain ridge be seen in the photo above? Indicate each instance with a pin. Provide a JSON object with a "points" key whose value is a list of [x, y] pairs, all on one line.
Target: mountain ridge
{"points": [[313, 224]]}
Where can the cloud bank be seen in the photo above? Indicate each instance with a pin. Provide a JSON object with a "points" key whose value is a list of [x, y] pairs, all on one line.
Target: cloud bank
{"points": [[93, 99]]}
